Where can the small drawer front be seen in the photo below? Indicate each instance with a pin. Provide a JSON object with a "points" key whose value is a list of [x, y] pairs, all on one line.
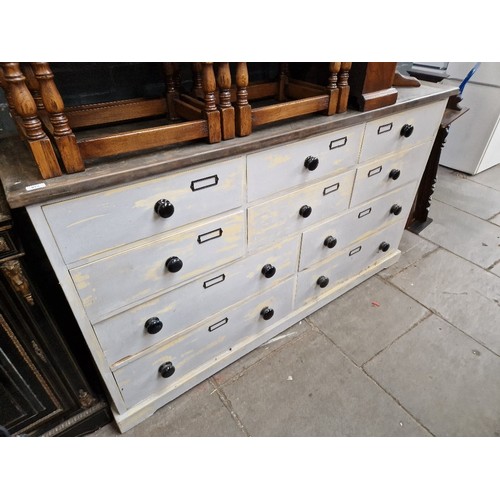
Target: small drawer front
{"points": [[401, 131], [323, 278], [172, 364], [295, 164], [113, 282], [286, 215], [154, 321], [90, 224], [379, 177], [7, 245], [322, 241]]}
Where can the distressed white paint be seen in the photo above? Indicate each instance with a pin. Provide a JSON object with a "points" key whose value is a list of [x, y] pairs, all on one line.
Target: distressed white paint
{"points": [[108, 284], [281, 168], [356, 223], [190, 352], [372, 179], [124, 335], [87, 225], [278, 218], [425, 120]]}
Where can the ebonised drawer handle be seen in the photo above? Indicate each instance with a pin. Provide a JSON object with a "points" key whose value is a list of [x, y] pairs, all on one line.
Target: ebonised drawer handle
{"points": [[384, 246], [173, 264], [396, 209], [153, 325], [322, 281], [166, 369], [330, 241], [394, 174], [164, 208], [267, 313], [268, 270], [407, 130], [305, 211], [311, 163]]}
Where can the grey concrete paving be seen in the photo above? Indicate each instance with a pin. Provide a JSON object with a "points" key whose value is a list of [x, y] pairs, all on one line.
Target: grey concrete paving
{"points": [[463, 234], [445, 379], [425, 361], [462, 293], [310, 388], [368, 318], [455, 188]]}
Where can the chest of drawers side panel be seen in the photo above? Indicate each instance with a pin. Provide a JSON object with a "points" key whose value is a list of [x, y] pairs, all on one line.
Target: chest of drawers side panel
{"points": [[59, 267]]}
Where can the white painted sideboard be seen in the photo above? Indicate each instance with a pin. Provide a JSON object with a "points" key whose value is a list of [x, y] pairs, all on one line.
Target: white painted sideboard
{"points": [[174, 276]]}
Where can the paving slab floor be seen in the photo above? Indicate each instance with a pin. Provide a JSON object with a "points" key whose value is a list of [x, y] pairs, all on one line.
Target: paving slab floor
{"points": [[413, 351]]}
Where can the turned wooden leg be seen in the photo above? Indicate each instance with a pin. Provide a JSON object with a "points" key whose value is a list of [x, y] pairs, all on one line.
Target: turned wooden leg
{"points": [[332, 88], [210, 112], [197, 89], [25, 107], [225, 107], [171, 70], [53, 104], [8, 97], [283, 82], [243, 111], [345, 67]]}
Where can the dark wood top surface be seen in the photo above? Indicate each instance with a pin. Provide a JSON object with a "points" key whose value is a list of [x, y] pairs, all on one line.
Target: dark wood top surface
{"points": [[18, 170]]}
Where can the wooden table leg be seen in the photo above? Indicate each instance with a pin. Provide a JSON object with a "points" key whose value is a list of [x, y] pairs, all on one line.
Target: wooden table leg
{"points": [[25, 107], [332, 88], [171, 70], [53, 104], [243, 110], [211, 112], [344, 89], [225, 107]]}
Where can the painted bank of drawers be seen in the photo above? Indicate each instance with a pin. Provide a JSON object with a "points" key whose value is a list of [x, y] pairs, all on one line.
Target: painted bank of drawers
{"points": [[177, 275]]}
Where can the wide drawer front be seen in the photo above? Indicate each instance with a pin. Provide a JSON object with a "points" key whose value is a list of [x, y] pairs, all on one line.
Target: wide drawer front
{"points": [[381, 176], [188, 354], [90, 224], [298, 210], [295, 164], [129, 276], [401, 131], [169, 314], [322, 279], [323, 240]]}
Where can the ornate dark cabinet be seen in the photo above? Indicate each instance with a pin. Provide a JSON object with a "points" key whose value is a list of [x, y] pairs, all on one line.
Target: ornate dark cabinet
{"points": [[42, 389]]}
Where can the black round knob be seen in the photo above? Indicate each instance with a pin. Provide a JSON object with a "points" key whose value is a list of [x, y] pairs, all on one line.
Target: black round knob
{"points": [[384, 246], [305, 211], [330, 241], [173, 264], [394, 174], [164, 208], [153, 325], [322, 281], [268, 270], [396, 209], [166, 369], [407, 130], [311, 163], [267, 313]]}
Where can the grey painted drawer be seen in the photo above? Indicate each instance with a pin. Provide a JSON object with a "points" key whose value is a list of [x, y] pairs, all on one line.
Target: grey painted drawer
{"points": [[390, 172], [346, 264], [190, 353], [125, 334], [357, 223], [129, 276], [93, 223], [384, 135], [281, 168], [280, 217]]}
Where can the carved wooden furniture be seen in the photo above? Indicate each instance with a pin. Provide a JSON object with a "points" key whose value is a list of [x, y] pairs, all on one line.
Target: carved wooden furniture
{"points": [[35, 100], [43, 391], [176, 267]]}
